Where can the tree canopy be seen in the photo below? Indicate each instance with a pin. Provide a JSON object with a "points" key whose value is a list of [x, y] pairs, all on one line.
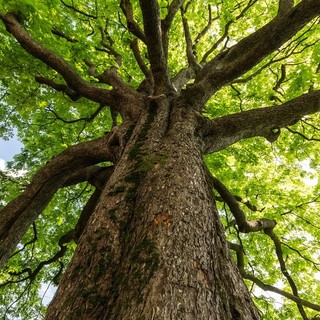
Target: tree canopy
{"points": [[65, 63]]}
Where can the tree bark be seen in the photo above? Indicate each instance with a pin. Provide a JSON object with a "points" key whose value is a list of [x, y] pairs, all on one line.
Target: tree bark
{"points": [[154, 248]]}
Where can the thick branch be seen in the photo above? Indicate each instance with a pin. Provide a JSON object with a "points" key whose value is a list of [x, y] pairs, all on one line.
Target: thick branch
{"points": [[222, 132], [132, 25], [240, 58], [183, 77], [122, 98], [152, 28], [60, 171], [50, 58], [96, 176], [285, 6]]}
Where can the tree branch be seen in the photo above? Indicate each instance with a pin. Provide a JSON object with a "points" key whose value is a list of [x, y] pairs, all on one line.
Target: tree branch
{"points": [[192, 60], [222, 132], [182, 78], [132, 25], [277, 244], [109, 76], [243, 224], [97, 176], [73, 95], [207, 27], [33, 240], [217, 43], [286, 51], [85, 119], [50, 58], [152, 28], [247, 203], [60, 34], [226, 30], [240, 263], [315, 264], [78, 11], [60, 171], [66, 238], [247, 53], [285, 6], [281, 79], [109, 47], [302, 135], [174, 7], [136, 52], [121, 98]]}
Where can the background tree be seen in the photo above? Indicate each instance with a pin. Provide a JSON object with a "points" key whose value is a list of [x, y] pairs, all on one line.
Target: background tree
{"points": [[118, 103]]}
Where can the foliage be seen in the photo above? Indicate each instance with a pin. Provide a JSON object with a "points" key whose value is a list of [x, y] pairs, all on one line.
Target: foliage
{"points": [[276, 181]]}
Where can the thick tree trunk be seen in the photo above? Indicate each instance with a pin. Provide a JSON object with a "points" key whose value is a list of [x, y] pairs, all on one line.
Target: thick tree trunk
{"points": [[154, 247]]}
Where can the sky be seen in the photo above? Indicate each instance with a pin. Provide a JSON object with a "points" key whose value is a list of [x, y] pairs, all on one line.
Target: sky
{"points": [[8, 149]]}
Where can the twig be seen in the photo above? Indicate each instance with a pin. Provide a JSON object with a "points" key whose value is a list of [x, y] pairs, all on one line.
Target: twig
{"points": [[302, 135], [240, 263], [79, 11]]}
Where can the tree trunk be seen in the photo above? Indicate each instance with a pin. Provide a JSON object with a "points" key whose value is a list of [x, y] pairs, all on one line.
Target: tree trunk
{"points": [[154, 247]]}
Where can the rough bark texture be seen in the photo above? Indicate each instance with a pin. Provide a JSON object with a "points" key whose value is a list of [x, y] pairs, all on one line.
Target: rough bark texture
{"points": [[154, 247]]}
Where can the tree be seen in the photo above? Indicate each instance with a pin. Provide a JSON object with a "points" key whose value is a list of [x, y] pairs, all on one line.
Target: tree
{"points": [[171, 156]]}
